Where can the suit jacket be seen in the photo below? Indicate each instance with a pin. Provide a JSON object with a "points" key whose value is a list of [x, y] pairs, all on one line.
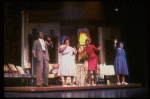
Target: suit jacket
{"points": [[37, 49]]}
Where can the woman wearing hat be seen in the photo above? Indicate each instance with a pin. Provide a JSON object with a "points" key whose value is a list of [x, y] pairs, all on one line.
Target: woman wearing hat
{"points": [[92, 58], [120, 64], [67, 63]]}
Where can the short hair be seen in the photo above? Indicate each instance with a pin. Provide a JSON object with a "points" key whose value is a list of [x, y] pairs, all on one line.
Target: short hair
{"points": [[38, 33], [88, 39], [119, 43]]}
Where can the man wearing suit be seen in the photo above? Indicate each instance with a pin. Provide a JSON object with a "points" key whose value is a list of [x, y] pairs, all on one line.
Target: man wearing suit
{"points": [[40, 52]]}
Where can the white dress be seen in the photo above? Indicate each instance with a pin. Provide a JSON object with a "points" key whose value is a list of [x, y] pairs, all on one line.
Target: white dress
{"points": [[67, 62]]}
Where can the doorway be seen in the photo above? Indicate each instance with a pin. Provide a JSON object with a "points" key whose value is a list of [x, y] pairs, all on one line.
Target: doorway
{"points": [[109, 52]]}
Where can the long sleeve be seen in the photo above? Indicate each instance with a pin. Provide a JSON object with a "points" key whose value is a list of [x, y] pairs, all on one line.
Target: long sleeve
{"points": [[82, 51], [61, 48], [94, 48], [50, 45], [34, 48], [115, 48]]}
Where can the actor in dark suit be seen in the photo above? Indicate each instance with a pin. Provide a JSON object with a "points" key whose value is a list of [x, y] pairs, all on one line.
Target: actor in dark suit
{"points": [[40, 52]]}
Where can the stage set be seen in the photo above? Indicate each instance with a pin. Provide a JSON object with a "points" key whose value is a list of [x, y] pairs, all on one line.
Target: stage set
{"points": [[23, 82], [78, 28], [68, 88]]}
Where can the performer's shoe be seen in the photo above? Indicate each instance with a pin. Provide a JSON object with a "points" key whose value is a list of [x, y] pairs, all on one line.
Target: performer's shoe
{"points": [[124, 83], [94, 84], [88, 84], [118, 83], [47, 85], [39, 85], [73, 85], [65, 85]]}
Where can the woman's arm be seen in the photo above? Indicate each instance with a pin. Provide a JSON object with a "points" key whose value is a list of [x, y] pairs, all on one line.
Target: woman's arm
{"points": [[80, 51], [115, 42], [63, 48], [96, 48]]}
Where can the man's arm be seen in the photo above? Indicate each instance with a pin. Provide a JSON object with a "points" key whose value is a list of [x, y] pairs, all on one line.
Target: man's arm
{"points": [[34, 49], [49, 43]]}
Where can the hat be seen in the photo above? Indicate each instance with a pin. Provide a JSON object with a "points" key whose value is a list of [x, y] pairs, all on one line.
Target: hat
{"points": [[89, 39], [63, 39]]}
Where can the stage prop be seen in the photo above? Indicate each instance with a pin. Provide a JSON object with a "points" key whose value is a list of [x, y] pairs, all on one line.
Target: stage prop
{"points": [[83, 34], [18, 77], [12, 67], [107, 74], [20, 70]]}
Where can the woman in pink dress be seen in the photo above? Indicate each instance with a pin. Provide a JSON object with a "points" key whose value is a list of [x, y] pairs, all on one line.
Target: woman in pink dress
{"points": [[92, 58]]}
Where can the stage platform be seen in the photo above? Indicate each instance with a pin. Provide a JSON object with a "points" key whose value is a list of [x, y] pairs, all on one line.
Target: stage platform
{"points": [[69, 87]]}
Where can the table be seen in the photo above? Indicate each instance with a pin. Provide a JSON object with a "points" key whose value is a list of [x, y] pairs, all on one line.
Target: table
{"points": [[16, 80]]}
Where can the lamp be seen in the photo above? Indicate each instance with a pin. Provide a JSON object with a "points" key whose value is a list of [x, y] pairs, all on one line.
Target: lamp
{"points": [[26, 68]]}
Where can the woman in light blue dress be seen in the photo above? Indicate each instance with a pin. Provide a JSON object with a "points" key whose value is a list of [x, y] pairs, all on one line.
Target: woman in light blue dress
{"points": [[67, 62], [120, 63]]}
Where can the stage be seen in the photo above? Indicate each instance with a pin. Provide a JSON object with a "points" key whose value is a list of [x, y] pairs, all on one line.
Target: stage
{"points": [[68, 87]]}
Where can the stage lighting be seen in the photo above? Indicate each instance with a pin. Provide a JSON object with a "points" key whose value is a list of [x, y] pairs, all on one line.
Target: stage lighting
{"points": [[116, 9]]}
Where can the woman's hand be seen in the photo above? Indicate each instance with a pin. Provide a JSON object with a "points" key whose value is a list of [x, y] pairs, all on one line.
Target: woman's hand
{"points": [[74, 48], [99, 47], [61, 49], [115, 41]]}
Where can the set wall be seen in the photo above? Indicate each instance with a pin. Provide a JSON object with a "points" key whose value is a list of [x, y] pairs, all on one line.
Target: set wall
{"points": [[46, 27], [107, 33]]}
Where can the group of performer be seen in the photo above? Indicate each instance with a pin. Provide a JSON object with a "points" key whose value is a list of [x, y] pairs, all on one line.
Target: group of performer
{"points": [[67, 62]]}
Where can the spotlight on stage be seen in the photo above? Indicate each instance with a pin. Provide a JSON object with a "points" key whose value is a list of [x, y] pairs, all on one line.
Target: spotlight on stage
{"points": [[116, 9]]}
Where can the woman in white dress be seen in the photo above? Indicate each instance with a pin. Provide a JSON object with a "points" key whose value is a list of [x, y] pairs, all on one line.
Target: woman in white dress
{"points": [[67, 63]]}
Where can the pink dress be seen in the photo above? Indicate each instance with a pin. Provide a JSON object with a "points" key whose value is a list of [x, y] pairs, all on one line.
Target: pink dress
{"points": [[92, 57]]}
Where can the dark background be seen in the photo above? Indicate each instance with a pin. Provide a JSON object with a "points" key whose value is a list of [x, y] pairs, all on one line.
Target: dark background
{"points": [[131, 18]]}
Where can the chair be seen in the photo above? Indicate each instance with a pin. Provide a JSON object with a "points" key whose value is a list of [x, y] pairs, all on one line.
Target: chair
{"points": [[12, 67], [53, 71], [20, 70]]}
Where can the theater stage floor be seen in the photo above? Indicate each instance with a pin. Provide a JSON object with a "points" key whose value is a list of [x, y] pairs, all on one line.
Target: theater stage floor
{"points": [[99, 91], [69, 87]]}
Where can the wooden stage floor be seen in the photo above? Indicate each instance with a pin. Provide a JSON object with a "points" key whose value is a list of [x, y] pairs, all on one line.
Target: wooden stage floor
{"points": [[69, 87]]}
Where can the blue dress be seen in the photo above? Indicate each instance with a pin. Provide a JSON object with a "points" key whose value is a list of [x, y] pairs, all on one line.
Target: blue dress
{"points": [[120, 63]]}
